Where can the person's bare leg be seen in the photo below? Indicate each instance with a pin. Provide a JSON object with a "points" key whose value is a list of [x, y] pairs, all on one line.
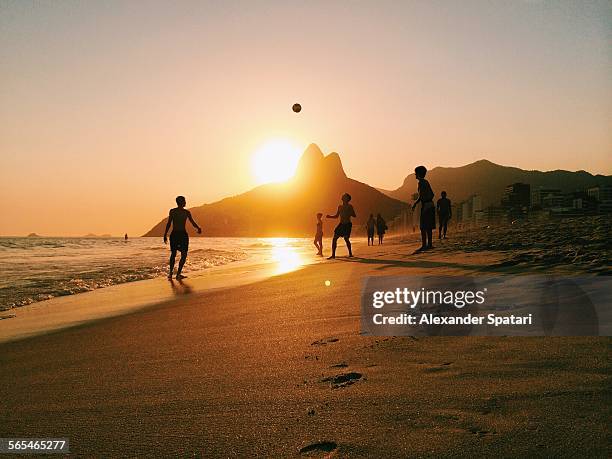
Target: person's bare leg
{"points": [[181, 264], [348, 246], [334, 245], [172, 258]]}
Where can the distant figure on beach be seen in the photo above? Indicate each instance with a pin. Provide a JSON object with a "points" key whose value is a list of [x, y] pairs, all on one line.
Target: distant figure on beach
{"points": [[343, 230], [179, 239], [444, 214], [428, 210], [381, 228], [318, 240], [125, 237], [370, 227]]}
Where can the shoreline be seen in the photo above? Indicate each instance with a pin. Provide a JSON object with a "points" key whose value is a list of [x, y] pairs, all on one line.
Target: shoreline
{"points": [[68, 311]]}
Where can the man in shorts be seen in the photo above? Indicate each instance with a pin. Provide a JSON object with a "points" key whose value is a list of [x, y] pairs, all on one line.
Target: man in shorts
{"points": [[343, 230], [179, 239]]}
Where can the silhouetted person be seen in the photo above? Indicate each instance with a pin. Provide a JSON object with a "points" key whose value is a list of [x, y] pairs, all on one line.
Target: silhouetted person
{"points": [[318, 240], [444, 214], [345, 212], [428, 210], [370, 227], [381, 228], [179, 239], [125, 237]]}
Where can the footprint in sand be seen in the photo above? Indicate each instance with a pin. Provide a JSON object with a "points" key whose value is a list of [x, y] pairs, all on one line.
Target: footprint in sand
{"points": [[479, 432], [432, 367], [343, 380], [7, 316], [324, 341], [340, 365], [315, 449]]}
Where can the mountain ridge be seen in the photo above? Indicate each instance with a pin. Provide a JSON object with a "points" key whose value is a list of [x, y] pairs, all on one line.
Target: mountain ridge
{"points": [[489, 180], [289, 208]]}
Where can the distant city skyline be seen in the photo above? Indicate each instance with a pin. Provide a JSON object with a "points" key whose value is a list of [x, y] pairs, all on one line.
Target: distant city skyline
{"points": [[111, 109]]}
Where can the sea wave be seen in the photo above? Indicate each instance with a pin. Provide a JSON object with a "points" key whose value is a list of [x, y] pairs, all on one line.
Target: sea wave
{"points": [[35, 270]]}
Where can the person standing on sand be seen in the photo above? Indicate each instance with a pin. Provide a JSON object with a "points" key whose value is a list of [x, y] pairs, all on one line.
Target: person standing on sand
{"points": [[343, 230], [428, 210], [370, 225], [179, 239], [318, 240], [444, 214], [381, 228]]}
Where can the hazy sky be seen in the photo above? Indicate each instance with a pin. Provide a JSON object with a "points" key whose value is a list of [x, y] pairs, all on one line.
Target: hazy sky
{"points": [[110, 109]]}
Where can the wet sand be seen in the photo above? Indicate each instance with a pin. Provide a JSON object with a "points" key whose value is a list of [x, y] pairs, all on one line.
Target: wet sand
{"points": [[73, 310], [277, 368]]}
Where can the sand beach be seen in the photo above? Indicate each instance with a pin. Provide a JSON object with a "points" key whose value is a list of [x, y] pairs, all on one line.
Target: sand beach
{"points": [[278, 368]]}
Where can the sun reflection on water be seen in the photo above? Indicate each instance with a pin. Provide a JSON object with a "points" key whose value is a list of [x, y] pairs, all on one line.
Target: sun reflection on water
{"points": [[286, 256]]}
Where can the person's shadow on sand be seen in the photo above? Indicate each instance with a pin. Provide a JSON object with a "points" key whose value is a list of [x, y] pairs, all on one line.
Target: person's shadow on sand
{"points": [[179, 287]]}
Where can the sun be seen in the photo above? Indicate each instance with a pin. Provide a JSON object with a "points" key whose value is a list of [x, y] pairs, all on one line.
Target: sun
{"points": [[275, 161]]}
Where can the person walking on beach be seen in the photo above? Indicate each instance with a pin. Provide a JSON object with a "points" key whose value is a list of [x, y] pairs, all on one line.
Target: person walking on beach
{"points": [[370, 225], [381, 228], [428, 210], [318, 240], [343, 230], [444, 214], [179, 239]]}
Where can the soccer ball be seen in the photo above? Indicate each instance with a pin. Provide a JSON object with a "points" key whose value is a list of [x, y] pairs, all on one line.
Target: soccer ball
{"points": [[297, 108]]}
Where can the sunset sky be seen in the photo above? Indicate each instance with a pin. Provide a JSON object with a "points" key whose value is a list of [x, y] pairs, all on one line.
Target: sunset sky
{"points": [[108, 110]]}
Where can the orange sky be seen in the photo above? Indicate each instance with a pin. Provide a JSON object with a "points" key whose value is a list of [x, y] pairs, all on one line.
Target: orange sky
{"points": [[110, 109]]}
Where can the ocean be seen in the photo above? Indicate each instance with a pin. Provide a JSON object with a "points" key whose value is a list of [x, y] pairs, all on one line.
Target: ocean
{"points": [[37, 269]]}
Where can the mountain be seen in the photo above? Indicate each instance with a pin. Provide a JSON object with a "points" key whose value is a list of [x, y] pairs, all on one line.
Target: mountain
{"points": [[489, 180], [290, 208]]}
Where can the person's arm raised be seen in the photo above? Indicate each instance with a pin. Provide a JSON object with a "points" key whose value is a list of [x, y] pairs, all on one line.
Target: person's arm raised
{"points": [[334, 216]]}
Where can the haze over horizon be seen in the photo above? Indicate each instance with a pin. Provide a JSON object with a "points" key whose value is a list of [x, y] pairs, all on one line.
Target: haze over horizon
{"points": [[109, 110]]}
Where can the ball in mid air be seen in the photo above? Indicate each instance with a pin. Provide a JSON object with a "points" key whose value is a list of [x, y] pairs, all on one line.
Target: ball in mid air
{"points": [[297, 108]]}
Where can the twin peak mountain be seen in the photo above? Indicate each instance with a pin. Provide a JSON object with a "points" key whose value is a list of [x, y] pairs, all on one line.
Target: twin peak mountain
{"points": [[289, 209]]}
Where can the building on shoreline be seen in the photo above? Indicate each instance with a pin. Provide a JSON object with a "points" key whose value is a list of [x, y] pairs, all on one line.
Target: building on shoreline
{"points": [[602, 194], [546, 198], [517, 200], [470, 210]]}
